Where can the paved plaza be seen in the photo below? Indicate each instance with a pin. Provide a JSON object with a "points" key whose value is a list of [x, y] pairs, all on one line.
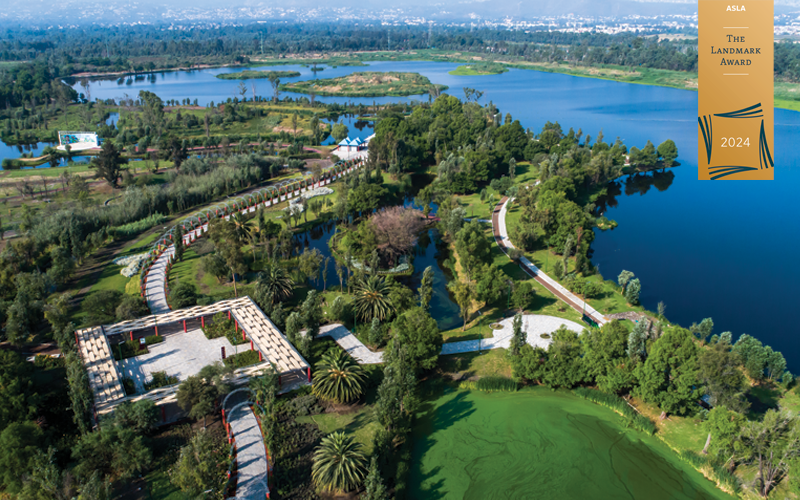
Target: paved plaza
{"points": [[180, 354]]}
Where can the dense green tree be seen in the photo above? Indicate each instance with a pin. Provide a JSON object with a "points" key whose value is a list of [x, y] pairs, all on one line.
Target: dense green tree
{"points": [[753, 355], [339, 131], [564, 367], [373, 484], [522, 295], [113, 450], [198, 393], [425, 289], [101, 307], [201, 466], [183, 294], [131, 307], [637, 341], [311, 314], [724, 382], [141, 416], [703, 330], [19, 443], [416, 338], [668, 151], [518, 337], [632, 292], [339, 464], [624, 278], [338, 377], [605, 357], [464, 293], [723, 427], [490, 283], [669, 376], [179, 246], [107, 164], [473, 247], [365, 198]]}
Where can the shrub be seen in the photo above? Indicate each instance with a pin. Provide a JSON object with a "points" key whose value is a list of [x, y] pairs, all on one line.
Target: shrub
{"points": [[136, 227], [183, 294], [160, 379], [242, 359], [101, 306], [496, 384]]}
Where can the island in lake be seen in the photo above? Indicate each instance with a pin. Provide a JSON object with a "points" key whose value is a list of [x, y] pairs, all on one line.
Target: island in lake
{"points": [[479, 69], [249, 74], [367, 84]]}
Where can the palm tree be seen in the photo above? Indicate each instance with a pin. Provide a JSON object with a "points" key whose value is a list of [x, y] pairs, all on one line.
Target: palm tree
{"points": [[274, 281], [338, 377], [339, 464], [372, 298]]}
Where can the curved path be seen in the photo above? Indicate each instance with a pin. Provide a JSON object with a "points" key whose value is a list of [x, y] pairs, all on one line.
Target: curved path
{"points": [[251, 455], [533, 324], [503, 241], [155, 287]]}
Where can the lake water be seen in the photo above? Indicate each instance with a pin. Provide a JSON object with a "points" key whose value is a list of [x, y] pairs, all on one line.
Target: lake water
{"points": [[712, 249]]}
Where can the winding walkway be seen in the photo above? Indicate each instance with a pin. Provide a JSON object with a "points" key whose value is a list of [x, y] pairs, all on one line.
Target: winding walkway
{"points": [[533, 324], [251, 456], [503, 241]]}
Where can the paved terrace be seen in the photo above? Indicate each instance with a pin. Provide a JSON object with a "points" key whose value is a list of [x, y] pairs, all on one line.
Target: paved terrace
{"points": [[184, 351]]}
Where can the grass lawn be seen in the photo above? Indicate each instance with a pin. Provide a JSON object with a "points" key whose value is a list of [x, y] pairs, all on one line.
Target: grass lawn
{"points": [[476, 364], [361, 424]]}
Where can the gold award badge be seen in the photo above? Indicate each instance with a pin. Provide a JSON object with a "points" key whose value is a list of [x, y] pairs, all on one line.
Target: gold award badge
{"points": [[735, 86]]}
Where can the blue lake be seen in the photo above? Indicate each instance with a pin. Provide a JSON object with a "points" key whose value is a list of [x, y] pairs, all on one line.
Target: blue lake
{"points": [[706, 249]]}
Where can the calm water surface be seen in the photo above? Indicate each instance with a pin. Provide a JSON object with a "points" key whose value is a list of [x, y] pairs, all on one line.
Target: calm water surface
{"points": [[719, 249]]}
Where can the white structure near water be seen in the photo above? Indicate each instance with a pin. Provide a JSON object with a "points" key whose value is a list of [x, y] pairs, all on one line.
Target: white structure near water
{"points": [[77, 141]]}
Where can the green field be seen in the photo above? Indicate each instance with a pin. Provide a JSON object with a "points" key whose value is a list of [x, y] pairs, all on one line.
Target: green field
{"points": [[251, 74], [479, 69], [367, 84], [540, 444]]}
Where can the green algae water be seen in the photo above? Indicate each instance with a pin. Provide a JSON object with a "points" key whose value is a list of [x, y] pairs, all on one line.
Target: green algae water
{"points": [[540, 444]]}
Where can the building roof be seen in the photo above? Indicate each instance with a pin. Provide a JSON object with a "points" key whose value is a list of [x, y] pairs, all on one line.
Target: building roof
{"points": [[345, 142], [357, 141]]}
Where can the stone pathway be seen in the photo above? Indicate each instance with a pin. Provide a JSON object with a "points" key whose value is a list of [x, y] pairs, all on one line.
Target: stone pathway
{"points": [[251, 456], [504, 242], [351, 344], [155, 289], [534, 324]]}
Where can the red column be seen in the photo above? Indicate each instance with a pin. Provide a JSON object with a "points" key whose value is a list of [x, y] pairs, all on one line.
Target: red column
{"points": [[131, 335], [163, 414], [156, 327], [260, 357], [309, 373], [203, 321], [184, 326], [244, 337], [223, 416], [229, 315], [236, 326], [251, 346]]}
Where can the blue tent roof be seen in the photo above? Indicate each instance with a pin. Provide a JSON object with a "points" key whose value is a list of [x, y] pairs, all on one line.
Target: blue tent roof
{"points": [[356, 141], [344, 142]]}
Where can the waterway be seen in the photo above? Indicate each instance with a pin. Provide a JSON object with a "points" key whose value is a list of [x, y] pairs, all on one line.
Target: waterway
{"points": [[707, 249], [473, 445], [429, 252]]}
